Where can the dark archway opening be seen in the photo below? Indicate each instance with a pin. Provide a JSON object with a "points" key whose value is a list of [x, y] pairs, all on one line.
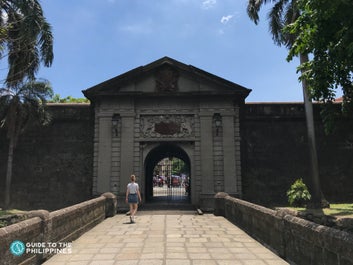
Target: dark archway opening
{"points": [[167, 172]]}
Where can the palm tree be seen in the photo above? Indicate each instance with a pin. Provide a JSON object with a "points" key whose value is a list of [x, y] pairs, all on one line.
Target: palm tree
{"points": [[283, 13], [25, 39], [21, 107]]}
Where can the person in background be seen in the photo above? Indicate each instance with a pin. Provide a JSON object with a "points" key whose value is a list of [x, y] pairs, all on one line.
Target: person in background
{"points": [[133, 196]]}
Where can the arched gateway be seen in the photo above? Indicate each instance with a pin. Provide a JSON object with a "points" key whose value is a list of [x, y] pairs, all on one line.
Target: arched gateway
{"points": [[166, 110], [161, 183]]}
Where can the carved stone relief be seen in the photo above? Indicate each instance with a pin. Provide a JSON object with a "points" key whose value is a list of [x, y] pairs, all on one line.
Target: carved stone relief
{"points": [[167, 126], [167, 80]]}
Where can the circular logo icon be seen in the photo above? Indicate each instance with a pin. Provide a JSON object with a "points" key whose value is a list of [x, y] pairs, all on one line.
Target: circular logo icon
{"points": [[17, 248]]}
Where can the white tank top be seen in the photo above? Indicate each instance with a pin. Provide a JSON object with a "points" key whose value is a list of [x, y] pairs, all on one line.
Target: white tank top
{"points": [[132, 187]]}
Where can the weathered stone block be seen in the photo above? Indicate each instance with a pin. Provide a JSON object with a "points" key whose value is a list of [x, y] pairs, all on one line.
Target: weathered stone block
{"points": [[111, 204], [220, 203]]}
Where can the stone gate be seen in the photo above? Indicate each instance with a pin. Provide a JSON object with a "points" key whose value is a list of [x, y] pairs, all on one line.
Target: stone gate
{"points": [[162, 109]]}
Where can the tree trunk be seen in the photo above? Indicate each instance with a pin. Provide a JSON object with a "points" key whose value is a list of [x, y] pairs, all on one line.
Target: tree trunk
{"points": [[9, 172], [316, 193]]}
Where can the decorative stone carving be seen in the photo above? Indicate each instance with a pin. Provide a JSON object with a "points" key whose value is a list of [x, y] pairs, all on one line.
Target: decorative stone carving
{"points": [[167, 79], [167, 126]]}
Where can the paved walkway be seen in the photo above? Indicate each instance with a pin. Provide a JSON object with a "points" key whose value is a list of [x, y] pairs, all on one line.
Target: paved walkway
{"points": [[160, 238]]}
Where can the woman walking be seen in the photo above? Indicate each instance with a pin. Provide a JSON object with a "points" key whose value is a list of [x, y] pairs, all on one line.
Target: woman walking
{"points": [[132, 197]]}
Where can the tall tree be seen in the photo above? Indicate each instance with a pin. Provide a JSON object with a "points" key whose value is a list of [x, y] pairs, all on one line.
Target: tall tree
{"points": [[25, 39], [283, 13], [324, 29], [21, 107]]}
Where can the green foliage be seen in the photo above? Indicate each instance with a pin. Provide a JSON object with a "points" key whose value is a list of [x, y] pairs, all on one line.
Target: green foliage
{"points": [[57, 99], [324, 30], [23, 106], [282, 13], [179, 166], [26, 40], [298, 194]]}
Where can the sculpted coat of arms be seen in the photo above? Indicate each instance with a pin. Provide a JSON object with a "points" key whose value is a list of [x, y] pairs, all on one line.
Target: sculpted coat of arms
{"points": [[159, 126]]}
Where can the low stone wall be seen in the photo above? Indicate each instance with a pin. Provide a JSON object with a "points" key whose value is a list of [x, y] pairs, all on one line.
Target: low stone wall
{"points": [[296, 240], [46, 233]]}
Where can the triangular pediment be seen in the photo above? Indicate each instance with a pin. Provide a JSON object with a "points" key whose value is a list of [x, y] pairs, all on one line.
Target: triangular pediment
{"points": [[169, 77]]}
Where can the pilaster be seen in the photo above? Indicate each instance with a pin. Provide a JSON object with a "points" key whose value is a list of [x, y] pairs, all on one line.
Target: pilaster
{"points": [[206, 151], [104, 154], [127, 149], [230, 176]]}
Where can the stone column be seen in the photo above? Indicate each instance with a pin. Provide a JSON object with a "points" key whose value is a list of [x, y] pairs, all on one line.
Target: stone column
{"points": [[104, 154]]}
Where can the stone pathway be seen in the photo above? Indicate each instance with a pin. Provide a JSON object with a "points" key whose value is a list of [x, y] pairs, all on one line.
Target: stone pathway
{"points": [[159, 238]]}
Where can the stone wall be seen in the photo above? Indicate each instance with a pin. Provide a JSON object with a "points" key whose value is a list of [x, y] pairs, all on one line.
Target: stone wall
{"points": [[58, 227], [53, 164], [292, 238], [275, 153]]}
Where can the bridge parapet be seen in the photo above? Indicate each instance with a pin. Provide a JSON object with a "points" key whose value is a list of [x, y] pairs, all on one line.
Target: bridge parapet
{"points": [[46, 233], [297, 240]]}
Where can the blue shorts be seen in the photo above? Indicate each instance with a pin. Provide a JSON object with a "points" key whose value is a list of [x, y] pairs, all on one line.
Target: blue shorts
{"points": [[132, 198]]}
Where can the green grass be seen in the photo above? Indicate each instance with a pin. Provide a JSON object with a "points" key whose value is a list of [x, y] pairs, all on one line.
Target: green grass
{"points": [[10, 211], [341, 209], [336, 210]]}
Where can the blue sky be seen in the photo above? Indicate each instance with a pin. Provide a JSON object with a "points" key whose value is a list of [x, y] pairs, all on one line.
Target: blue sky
{"points": [[95, 40]]}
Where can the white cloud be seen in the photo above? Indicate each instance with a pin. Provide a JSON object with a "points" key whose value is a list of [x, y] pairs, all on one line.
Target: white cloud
{"points": [[226, 19], [207, 4]]}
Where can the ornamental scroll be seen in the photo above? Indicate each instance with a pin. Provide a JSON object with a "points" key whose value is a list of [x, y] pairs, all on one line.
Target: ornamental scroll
{"points": [[167, 126]]}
